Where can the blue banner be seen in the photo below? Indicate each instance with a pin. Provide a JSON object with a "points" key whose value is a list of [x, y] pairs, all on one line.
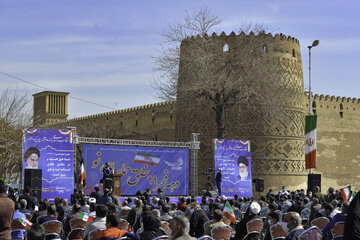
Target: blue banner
{"points": [[233, 157], [52, 151], [140, 167]]}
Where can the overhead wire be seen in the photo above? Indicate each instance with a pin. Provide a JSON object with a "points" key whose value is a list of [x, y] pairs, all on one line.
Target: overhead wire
{"points": [[37, 85]]}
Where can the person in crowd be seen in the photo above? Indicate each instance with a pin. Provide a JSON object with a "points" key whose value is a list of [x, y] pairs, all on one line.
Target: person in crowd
{"points": [[84, 206], [7, 209], [340, 217], [112, 231], [99, 222], [180, 228], [35, 232], [352, 220], [50, 215], [19, 234], [294, 224], [156, 212], [75, 214], [31, 157], [330, 195], [42, 210], [96, 194], [181, 204], [150, 226], [134, 212], [197, 220], [112, 208], [251, 214], [35, 198], [104, 199], [218, 222], [64, 211], [23, 208], [315, 208], [273, 218], [161, 194], [319, 195], [29, 199]]}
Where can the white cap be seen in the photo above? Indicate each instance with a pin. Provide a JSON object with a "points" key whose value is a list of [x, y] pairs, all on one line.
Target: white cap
{"points": [[255, 208], [92, 200]]}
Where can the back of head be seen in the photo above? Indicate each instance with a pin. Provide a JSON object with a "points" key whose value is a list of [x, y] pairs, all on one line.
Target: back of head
{"points": [[101, 211], [23, 203], [17, 206], [274, 215], [183, 222], [51, 210], [255, 208], [76, 208], [218, 215], [35, 232], [113, 220]]}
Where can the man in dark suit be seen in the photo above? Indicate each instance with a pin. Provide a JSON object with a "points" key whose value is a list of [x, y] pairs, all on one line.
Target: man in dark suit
{"points": [[218, 180], [7, 208], [108, 175]]}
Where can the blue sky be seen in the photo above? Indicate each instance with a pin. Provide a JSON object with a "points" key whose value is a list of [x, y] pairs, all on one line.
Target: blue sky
{"points": [[101, 50]]}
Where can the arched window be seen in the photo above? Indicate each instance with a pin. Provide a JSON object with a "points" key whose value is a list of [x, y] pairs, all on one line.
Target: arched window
{"points": [[293, 53], [225, 47]]}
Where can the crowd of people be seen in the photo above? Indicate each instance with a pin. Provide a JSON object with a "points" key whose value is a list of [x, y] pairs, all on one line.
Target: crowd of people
{"points": [[149, 216]]}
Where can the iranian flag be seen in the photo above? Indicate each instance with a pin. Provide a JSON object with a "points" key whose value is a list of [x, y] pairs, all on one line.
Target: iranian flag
{"points": [[147, 158], [82, 179], [310, 142], [229, 213], [25, 222], [346, 193], [85, 217]]}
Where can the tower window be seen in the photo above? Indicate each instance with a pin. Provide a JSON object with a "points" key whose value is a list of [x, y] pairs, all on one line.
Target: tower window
{"points": [[293, 53], [226, 48], [341, 107]]}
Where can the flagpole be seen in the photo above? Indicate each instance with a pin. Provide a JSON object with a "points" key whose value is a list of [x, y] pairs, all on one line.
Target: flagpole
{"points": [[314, 44]]}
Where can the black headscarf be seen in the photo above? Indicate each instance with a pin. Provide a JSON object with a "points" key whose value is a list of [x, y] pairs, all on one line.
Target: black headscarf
{"points": [[352, 221]]}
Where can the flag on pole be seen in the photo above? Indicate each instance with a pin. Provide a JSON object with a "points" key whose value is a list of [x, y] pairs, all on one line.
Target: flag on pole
{"points": [[82, 179], [310, 142], [85, 217], [346, 193], [229, 213], [25, 222]]}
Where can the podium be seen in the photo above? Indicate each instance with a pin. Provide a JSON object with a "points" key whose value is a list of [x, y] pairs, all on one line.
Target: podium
{"points": [[117, 184]]}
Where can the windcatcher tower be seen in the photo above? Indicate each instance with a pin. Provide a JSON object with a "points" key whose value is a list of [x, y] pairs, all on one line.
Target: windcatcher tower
{"points": [[265, 72], [50, 107]]}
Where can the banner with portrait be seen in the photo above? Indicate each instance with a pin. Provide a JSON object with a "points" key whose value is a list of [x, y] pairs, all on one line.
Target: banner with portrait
{"points": [[233, 157], [52, 151], [140, 167]]}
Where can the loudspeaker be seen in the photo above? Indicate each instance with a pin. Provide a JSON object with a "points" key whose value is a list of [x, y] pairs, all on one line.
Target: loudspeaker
{"points": [[33, 179], [259, 184], [213, 194], [313, 181]]}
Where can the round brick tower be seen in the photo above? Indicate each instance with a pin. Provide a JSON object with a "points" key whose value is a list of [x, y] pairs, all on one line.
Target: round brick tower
{"points": [[264, 73]]}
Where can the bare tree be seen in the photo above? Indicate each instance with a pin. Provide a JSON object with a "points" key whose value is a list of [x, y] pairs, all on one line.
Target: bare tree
{"points": [[166, 63], [15, 114]]}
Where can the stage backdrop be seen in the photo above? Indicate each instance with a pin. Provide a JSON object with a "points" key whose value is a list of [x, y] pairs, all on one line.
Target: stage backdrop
{"points": [[141, 167], [227, 153], [56, 160]]}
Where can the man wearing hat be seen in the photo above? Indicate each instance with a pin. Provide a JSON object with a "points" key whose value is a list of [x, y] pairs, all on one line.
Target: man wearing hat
{"points": [[251, 214], [218, 180], [243, 164]]}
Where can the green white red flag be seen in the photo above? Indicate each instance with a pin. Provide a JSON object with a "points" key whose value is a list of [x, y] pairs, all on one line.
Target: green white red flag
{"points": [[26, 223], [229, 213], [82, 179], [85, 217], [147, 158], [310, 141], [347, 194]]}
